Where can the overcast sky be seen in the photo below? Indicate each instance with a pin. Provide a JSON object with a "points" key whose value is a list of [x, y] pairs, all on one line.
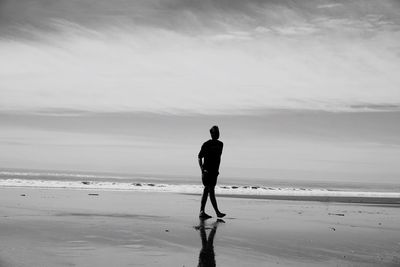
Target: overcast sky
{"points": [[201, 56], [299, 88]]}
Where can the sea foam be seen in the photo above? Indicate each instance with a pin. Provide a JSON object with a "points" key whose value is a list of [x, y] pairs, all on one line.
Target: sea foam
{"points": [[191, 189]]}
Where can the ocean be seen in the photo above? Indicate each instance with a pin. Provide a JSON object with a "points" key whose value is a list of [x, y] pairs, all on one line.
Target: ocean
{"points": [[192, 185]]}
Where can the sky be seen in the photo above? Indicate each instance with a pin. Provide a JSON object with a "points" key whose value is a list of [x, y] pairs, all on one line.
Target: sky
{"points": [[300, 89]]}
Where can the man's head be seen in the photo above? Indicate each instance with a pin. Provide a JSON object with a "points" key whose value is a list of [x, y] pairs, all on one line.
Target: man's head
{"points": [[214, 131]]}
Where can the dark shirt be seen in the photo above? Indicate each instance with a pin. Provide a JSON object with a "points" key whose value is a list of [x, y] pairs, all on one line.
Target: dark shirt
{"points": [[211, 152]]}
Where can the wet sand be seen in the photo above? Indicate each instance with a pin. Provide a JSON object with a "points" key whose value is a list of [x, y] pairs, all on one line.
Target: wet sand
{"points": [[62, 227]]}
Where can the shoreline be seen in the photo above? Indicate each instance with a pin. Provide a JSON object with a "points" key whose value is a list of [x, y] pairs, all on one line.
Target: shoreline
{"points": [[262, 193], [51, 176], [251, 192]]}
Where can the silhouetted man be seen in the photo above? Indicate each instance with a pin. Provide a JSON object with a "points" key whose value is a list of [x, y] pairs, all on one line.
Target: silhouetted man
{"points": [[211, 153]]}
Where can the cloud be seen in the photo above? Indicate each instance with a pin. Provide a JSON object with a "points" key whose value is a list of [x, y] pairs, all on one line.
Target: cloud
{"points": [[185, 17], [211, 56], [330, 5], [306, 29]]}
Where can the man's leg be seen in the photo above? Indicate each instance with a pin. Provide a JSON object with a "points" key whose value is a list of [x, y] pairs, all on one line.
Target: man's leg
{"points": [[204, 199], [204, 215], [214, 202]]}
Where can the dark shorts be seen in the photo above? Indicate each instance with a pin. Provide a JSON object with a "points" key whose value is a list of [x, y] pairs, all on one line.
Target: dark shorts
{"points": [[209, 179]]}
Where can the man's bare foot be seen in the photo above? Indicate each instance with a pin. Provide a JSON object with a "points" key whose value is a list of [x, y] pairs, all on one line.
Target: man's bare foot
{"points": [[220, 215], [204, 215]]}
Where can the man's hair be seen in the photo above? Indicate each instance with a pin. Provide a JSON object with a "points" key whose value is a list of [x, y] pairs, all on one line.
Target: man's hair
{"points": [[214, 129]]}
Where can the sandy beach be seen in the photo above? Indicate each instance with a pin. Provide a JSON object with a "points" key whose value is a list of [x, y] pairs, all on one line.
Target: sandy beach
{"points": [[63, 227]]}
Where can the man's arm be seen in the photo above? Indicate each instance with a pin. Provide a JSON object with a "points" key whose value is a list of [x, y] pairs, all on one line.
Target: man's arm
{"points": [[200, 158], [201, 163]]}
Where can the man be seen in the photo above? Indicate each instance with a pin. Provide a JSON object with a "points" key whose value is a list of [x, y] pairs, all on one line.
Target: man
{"points": [[211, 153]]}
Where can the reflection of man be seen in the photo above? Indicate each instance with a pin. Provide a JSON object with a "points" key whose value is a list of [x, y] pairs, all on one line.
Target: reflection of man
{"points": [[207, 255], [211, 153]]}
